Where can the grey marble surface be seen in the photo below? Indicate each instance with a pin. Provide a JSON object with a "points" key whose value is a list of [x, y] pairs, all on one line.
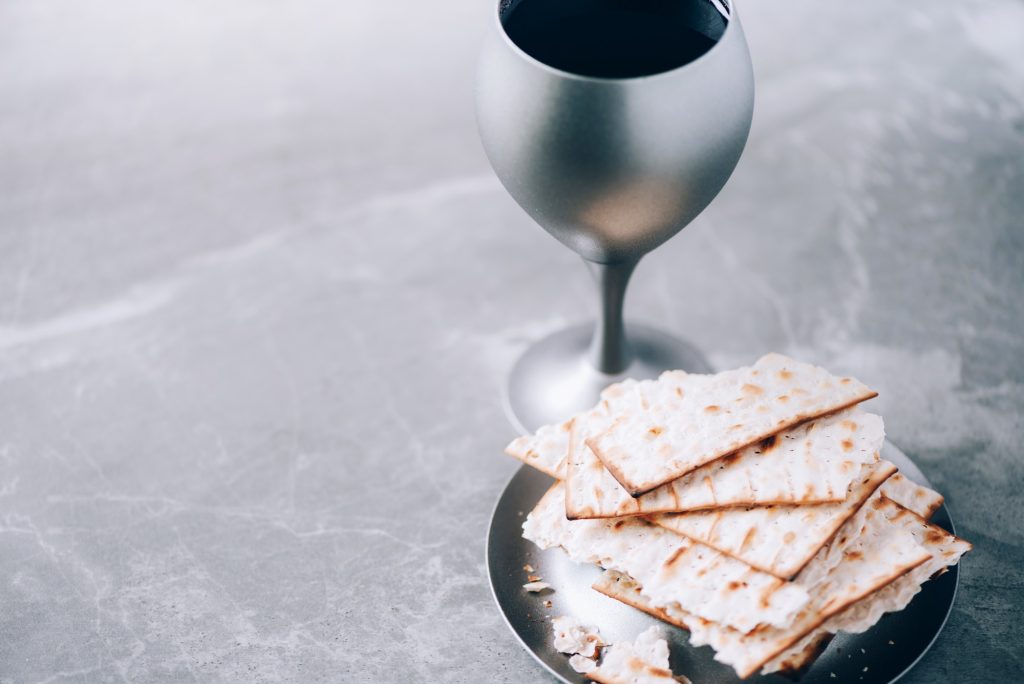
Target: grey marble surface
{"points": [[260, 291]]}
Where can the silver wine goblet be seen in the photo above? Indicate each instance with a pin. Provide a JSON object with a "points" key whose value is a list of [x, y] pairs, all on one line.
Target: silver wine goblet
{"points": [[611, 166]]}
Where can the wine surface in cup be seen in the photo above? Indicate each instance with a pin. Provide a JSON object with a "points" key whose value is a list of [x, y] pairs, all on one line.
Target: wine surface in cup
{"points": [[613, 38]]}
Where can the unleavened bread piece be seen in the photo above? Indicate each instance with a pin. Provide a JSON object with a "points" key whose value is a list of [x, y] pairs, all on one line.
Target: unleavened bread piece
{"points": [[882, 568], [777, 539], [880, 554], [625, 589], [812, 463], [695, 419], [672, 568], [946, 549], [642, 661], [912, 496], [815, 462]]}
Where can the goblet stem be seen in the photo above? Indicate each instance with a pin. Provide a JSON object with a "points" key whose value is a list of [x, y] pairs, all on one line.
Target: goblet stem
{"points": [[609, 349]]}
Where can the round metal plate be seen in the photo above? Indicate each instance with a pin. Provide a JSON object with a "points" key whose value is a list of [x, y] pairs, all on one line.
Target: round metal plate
{"points": [[880, 655]]}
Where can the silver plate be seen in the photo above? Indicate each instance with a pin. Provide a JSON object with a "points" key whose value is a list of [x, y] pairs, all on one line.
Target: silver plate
{"points": [[882, 654]]}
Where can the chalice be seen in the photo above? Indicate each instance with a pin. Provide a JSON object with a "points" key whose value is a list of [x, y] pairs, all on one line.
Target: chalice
{"points": [[612, 123]]}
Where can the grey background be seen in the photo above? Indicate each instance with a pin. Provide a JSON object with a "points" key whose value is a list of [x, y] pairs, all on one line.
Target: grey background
{"points": [[260, 291]]}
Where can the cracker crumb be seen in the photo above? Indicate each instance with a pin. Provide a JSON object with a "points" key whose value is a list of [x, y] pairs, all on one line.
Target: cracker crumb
{"points": [[891, 642], [533, 578], [547, 604], [528, 568], [832, 675], [582, 664], [646, 659], [573, 637], [865, 669], [537, 587]]}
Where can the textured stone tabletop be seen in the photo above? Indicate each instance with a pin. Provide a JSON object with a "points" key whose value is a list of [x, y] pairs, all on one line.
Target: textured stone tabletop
{"points": [[260, 291]]}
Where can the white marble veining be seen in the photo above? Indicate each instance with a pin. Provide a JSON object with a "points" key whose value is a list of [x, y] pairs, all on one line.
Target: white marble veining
{"points": [[262, 290]]}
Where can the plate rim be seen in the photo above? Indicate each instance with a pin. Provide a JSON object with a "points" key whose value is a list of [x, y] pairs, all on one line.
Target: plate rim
{"points": [[490, 578]]}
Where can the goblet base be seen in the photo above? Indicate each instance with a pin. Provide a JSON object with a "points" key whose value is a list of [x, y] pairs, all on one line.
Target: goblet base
{"points": [[554, 378]]}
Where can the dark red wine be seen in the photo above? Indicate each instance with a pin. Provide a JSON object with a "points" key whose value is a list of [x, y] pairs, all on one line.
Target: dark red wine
{"points": [[613, 38]]}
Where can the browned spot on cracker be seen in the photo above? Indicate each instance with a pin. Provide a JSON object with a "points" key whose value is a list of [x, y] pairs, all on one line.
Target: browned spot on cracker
{"points": [[711, 409], [854, 555], [711, 487], [679, 392], [785, 374], [783, 398], [752, 389], [789, 537], [847, 445], [618, 524], [676, 555], [768, 443], [655, 431], [748, 538], [766, 595], [845, 381], [848, 425]]}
